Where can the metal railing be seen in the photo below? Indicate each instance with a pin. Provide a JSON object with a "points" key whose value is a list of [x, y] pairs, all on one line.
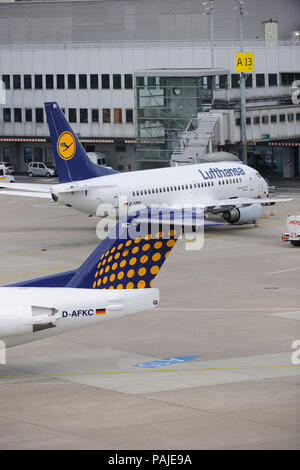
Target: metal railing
{"points": [[221, 44]]}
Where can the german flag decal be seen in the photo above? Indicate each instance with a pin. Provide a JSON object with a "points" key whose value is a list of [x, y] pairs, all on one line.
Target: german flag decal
{"points": [[101, 311]]}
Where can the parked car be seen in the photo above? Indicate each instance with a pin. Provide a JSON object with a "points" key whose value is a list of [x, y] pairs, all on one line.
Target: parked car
{"points": [[4, 177], [8, 166], [41, 169]]}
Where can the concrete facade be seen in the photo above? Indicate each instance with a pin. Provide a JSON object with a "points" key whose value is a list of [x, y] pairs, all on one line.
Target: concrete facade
{"points": [[139, 20]]}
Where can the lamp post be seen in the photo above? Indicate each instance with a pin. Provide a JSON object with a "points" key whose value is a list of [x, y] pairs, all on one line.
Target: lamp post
{"points": [[210, 12], [243, 90]]}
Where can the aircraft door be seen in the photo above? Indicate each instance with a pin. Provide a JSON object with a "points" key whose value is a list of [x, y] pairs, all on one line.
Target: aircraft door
{"points": [[251, 183]]}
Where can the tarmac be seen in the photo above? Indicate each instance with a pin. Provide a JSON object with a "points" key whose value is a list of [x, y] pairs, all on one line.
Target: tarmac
{"points": [[235, 305]]}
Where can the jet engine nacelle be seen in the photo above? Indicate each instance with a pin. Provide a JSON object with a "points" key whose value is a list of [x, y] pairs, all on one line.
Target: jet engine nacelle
{"points": [[24, 319], [15, 320], [243, 215]]}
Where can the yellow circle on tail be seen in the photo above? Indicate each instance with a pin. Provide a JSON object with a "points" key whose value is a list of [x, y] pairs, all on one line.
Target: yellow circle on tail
{"points": [[66, 145]]}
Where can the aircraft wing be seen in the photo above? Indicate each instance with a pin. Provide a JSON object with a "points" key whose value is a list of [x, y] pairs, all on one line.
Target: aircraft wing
{"points": [[223, 204], [187, 217], [27, 194]]}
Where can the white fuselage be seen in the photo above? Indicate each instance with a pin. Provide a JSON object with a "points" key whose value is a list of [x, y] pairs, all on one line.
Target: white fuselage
{"points": [[31, 313], [175, 185]]}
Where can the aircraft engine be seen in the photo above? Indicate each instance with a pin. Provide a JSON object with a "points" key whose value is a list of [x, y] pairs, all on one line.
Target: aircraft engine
{"points": [[243, 215], [24, 319]]}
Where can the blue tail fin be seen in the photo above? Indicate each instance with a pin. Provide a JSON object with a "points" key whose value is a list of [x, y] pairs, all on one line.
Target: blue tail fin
{"points": [[72, 162], [123, 261]]}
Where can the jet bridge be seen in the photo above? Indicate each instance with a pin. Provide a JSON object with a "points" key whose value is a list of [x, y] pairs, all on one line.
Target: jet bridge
{"points": [[196, 142]]}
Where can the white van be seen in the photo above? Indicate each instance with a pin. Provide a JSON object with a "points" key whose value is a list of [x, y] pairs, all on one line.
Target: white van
{"points": [[293, 230], [41, 169], [4, 177]]}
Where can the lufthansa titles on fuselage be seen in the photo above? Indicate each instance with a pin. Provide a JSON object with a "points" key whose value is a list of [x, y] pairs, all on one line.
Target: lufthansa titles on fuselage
{"points": [[214, 173]]}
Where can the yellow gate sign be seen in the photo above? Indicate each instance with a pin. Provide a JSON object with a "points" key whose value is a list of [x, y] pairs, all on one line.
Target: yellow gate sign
{"points": [[244, 62]]}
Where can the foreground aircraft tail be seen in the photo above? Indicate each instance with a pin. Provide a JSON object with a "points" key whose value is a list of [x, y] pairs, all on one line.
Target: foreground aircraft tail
{"points": [[72, 162], [132, 254], [130, 257]]}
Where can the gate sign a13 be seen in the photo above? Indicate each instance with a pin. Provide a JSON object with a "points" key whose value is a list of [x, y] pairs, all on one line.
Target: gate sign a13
{"points": [[244, 62]]}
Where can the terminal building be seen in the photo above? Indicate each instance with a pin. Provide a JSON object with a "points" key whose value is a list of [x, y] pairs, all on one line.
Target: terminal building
{"points": [[133, 77]]}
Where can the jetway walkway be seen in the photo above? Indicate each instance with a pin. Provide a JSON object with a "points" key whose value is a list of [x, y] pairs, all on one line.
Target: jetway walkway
{"points": [[195, 143]]}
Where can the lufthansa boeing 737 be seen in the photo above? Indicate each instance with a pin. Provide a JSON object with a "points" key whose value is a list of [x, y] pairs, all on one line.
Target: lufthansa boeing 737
{"points": [[231, 189]]}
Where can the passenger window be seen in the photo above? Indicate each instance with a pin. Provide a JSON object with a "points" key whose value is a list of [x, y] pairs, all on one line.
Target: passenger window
{"points": [[1, 172], [133, 193]]}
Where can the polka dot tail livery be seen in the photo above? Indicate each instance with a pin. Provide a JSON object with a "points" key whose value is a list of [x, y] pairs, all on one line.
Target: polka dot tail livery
{"points": [[122, 262]]}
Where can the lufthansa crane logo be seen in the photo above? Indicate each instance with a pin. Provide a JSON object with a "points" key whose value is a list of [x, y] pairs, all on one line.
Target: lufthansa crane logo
{"points": [[66, 145]]}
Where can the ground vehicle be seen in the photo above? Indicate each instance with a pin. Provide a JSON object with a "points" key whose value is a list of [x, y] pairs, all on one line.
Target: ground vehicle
{"points": [[41, 169], [293, 230], [8, 167], [4, 177]]}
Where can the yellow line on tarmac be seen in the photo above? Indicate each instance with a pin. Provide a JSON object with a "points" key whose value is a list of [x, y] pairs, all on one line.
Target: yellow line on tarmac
{"points": [[204, 369]]}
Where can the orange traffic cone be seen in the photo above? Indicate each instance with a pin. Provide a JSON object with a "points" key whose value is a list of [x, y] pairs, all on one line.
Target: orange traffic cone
{"points": [[44, 247]]}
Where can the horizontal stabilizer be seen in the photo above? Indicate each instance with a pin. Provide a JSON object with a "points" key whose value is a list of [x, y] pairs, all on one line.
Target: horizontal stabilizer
{"points": [[40, 188], [27, 194]]}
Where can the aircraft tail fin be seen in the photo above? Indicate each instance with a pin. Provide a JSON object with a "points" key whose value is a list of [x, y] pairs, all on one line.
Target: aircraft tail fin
{"points": [[72, 162], [131, 256]]}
